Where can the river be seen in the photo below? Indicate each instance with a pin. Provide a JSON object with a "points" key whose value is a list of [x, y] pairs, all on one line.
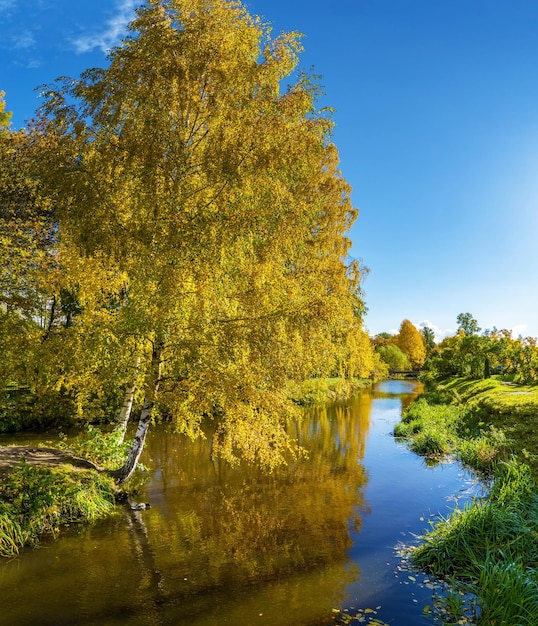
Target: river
{"points": [[235, 546]]}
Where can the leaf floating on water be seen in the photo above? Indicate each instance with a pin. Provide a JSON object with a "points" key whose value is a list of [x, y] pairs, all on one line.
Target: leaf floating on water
{"points": [[427, 609]]}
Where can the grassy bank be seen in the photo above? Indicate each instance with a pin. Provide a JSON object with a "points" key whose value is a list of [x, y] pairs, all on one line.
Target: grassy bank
{"points": [[37, 501], [496, 404], [489, 548]]}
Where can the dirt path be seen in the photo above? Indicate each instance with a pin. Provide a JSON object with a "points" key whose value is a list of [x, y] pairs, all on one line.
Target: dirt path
{"points": [[10, 456]]}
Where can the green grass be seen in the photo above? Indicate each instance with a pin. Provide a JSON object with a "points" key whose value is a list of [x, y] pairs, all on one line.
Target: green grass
{"points": [[488, 550], [37, 501], [102, 448], [435, 430], [512, 409], [430, 428]]}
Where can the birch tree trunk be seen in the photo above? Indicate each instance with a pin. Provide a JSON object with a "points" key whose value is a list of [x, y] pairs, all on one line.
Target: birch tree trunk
{"points": [[124, 473], [127, 406]]}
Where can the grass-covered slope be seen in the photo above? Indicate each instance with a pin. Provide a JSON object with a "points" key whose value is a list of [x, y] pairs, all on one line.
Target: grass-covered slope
{"points": [[488, 549]]}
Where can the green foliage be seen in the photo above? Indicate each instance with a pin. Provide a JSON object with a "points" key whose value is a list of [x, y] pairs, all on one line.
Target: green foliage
{"points": [[468, 324], [36, 501], [429, 338], [103, 448], [22, 409], [495, 353], [489, 548], [394, 357]]}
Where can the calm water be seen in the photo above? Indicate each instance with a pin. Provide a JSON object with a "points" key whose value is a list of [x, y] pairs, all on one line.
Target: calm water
{"points": [[235, 546]]}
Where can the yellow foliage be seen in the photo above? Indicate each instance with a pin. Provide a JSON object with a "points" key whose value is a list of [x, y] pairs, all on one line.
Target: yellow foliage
{"points": [[411, 343], [5, 116], [202, 210]]}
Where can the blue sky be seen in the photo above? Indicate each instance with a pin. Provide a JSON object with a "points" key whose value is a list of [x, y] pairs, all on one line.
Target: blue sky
{"points": [[436, 123]]}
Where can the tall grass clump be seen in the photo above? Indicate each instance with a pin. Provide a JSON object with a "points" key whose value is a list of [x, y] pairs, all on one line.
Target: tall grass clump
{"points": [[37, 501], [430, 428], [484, 452], [12, 536], [435, 430], [490, 548]]}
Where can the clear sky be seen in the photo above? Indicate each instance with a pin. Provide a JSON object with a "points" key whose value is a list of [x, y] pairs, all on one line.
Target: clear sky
{"points": [[436, 111]]}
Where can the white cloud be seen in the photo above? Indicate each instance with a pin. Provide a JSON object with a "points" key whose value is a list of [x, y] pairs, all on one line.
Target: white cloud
{"points": [[5, 5], [440, 334], [113, 30], [24, 40], [519, 329]]}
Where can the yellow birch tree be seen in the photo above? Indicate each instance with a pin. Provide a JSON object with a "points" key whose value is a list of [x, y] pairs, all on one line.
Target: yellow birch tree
{"points": [[204, 205]]}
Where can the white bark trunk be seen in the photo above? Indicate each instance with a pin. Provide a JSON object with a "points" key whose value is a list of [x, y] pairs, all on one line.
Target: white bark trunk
{"points": [[125, 472], [127, 406]]}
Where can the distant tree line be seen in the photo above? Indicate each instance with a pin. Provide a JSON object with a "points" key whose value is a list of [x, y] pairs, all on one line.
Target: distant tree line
{"points": [[476, 354]]}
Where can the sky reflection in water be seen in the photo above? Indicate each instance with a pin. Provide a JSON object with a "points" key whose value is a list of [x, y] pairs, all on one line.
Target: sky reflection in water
{"points": [[225, 545]]}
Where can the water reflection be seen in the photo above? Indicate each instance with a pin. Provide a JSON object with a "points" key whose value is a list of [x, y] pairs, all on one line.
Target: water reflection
{"points": [[219, 544], [224, 545], [232, 528]]}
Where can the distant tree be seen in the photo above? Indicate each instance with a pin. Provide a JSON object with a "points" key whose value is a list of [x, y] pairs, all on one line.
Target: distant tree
{"points": [[468, 324], [394, 357], [411, 343], [480, 356], [428, 335], [382, 339]]}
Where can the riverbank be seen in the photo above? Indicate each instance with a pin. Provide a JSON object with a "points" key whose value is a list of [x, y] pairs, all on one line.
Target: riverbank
{"points": [[71, 475], [486, 551], [233, 544], [37, 500], [44, 488]]}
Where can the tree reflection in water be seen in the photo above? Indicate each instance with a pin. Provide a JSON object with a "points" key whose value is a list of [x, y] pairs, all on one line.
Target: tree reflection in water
{"points": [[229, 529], [219, 545]]}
